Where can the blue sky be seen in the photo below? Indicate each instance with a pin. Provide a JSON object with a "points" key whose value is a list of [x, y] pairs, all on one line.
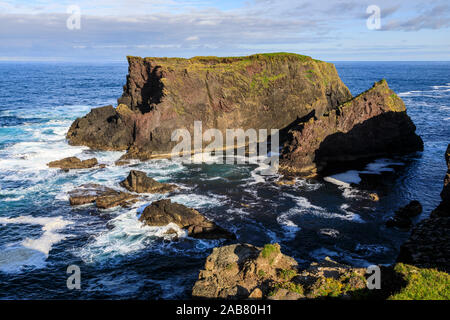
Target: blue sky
{"points": [[333, 30]]}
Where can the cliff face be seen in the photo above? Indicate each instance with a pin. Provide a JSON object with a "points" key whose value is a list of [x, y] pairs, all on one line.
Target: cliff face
{"points": [[429, 243], [264, 91], [372, 124]]}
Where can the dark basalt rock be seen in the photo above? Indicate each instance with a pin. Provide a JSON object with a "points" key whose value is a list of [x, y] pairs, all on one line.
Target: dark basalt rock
{"points": [[402, 217], [399, 222], [73, 163], [138, 181], [429, 243], [165, 94], [412, 209], [102, 196], [163, 212], [371, 125], [443, 210], [104, 128]]}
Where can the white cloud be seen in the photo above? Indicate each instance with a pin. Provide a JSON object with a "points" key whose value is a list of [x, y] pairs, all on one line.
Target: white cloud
{"points": [[192, 38]]}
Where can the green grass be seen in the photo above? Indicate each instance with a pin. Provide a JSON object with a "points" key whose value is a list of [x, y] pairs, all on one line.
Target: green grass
{"points": [[287, 274], [422, 284], [272, 55]]}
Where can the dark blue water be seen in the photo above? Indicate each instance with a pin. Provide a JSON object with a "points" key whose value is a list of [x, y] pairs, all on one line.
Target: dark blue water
{"points": [[41, 235]]}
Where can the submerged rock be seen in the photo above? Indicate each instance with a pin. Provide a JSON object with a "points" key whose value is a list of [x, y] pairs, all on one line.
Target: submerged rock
{"points": [[138, 181], [102, 196], [73, 163], [402, 217], [412, 209], [165, 94], [372, 124], [243, 271], [163, 212]]}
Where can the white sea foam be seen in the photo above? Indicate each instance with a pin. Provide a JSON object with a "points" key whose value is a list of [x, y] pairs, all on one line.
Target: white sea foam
{"points": [[127, 235], [32, 252]]}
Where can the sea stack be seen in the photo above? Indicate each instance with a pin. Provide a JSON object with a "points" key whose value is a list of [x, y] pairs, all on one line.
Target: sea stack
{"points": [[262, 91]]}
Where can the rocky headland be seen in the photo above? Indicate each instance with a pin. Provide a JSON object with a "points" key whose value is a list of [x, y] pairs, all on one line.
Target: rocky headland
{"points": [[321, 127]]}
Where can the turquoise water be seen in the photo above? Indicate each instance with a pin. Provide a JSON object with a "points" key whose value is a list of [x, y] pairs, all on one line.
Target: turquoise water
{"points": [[41, 235]]}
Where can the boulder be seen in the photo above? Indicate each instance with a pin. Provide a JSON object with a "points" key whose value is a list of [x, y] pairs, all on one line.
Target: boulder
{"points": [[163, 212], [165, 94], [138, 181], [373, 124], [102, 196], [73, 163]]}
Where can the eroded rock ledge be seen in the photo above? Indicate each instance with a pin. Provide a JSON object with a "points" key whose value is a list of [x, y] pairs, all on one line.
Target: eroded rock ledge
{"points": [[263, 91], [373, 124]]}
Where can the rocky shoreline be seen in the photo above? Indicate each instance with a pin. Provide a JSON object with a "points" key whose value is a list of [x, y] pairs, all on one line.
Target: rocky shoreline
{"points": [[321, 125]]}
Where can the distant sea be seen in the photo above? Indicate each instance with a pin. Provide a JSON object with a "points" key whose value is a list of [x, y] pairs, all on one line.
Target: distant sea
{"points": [[41, 235]]}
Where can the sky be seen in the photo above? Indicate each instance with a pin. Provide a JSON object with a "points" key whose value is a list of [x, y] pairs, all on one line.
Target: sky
{"points": [[333, 30]]}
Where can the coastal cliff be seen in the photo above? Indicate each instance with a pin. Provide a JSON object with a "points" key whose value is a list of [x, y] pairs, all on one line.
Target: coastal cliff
{"points": [[429, 243], [262, 91]]}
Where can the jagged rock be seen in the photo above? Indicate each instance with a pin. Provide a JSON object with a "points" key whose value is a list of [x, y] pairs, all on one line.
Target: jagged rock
{"points": [[429, 243], [103, 128], [330, 278], [443, 210], [165, 94], [73, 163], [242, 271], [236, 271], [163, 212], [370, 125], [138, 181], [102, 196]]}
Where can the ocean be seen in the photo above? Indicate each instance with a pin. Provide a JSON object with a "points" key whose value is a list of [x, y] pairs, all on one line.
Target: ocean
{"points": [[41, 234]]}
